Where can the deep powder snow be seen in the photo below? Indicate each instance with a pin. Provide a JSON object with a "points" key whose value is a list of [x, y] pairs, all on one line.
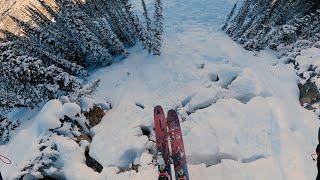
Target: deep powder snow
{"points": [[245, 124]]}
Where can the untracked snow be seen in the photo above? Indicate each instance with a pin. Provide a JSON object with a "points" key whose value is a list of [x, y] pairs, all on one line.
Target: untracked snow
{"points": [[241, 113]]}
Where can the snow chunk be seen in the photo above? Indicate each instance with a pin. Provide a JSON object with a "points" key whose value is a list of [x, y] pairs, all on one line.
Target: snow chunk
{"points": [[72, 156], [307, 75], [64, 99], [71, 110], [49, 117], [245, 127], [104, 106], [86, 103], [205, 97], [309, 58], [227, 74], [246, 86], [145, 159]]}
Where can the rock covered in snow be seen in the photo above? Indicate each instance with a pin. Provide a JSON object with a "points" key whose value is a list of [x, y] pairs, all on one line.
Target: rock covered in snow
{"points": [[308, 92]]}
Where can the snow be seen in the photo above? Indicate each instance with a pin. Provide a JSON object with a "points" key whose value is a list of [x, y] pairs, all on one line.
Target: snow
{"points": [[309, 57], [64, 99], [73, 157], [86, 103], [247, 125], [48, 117], [71, 110], [23, 147]]}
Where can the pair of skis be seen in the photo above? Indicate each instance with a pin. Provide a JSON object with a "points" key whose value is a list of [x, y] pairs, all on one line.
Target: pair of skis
{"points": [[169, 129]]}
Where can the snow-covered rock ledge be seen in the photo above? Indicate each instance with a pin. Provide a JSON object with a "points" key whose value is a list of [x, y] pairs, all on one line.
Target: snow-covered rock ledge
{"points": [[56, 143]]}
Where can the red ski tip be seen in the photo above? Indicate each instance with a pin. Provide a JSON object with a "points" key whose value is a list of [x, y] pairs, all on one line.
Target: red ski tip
{"points": [[158, 110], [172, 113]]}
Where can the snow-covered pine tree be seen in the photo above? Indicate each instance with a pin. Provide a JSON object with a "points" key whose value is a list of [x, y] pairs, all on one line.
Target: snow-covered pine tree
{"points": [[149, 30], [131, 17], [118, 23], [54, 46], [26, 80], [224, 27], [240, 17], [259, 22], [142, 31], [125, 9], [146, 15], [59, 45], [108, 38], [76, 23], [253, 13], [158, 27]]}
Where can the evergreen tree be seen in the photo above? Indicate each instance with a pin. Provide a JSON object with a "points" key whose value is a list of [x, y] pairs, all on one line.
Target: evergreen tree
{"points": [[109, 39], [26, 80], [260, 23], [149, 30], [158, 27], [51, 58], [224, 27], [240, 17], [91, 49]]}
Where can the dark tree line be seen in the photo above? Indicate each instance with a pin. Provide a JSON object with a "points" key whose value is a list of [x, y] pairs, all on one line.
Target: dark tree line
{"points": [[267, 23], [56, 49]]}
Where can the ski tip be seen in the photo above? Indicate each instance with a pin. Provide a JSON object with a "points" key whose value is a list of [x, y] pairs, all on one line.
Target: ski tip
{"points": [[172, 114], [158, 110]]}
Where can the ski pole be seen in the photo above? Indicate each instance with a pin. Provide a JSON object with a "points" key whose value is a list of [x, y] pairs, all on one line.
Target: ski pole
{"points": [[312, 156]]}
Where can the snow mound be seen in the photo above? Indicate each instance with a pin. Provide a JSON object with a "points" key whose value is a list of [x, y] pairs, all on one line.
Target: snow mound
{"points": [[309, 57], [246, 86], [72, 158], [71, 110], [86, 103], [49, 116]]}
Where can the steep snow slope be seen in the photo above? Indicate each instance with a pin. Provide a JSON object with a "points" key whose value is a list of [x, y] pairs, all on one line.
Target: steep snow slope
{"points": [[252, 122], [247, 125]]}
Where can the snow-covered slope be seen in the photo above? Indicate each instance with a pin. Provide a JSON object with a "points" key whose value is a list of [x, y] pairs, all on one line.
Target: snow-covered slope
{"points": [[247, 125]]}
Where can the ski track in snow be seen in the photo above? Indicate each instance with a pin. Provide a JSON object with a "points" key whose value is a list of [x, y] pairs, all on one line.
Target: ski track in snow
{"points": [[247, 125]]}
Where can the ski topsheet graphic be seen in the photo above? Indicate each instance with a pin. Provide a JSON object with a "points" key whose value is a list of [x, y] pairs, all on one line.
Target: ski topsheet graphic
{"points": [[177, 146], [163, 153]]}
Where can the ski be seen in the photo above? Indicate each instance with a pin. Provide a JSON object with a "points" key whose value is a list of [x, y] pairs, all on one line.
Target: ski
{"points": [[163, 152], [177, 147]]}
